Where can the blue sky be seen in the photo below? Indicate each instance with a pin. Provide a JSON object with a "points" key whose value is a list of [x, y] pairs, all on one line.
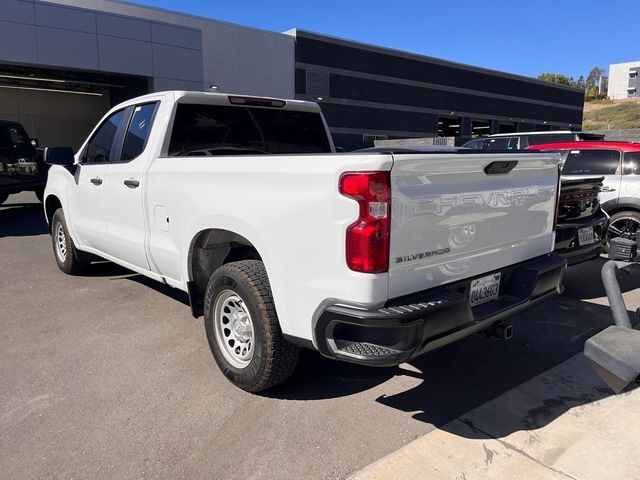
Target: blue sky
{"points": [[561, 36]]}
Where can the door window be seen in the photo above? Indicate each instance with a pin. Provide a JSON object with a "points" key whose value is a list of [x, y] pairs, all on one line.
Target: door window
{"points": [[501, 143], [137, 134], [101, 143], [592, 162]]}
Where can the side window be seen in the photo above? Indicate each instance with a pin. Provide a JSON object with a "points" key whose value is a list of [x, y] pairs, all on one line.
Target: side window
{"points": [[138, 132], [592, 162], [501, 143], [631, 163], [101, 143], [475, 144]]}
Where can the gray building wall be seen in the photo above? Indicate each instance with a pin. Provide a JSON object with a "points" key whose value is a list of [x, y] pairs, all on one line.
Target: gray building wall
{"points": [[235, 58], [176, 51]]}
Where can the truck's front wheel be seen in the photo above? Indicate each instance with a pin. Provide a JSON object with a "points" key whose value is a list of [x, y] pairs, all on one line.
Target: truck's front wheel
{"points": [[63, 249], [243, 329]]}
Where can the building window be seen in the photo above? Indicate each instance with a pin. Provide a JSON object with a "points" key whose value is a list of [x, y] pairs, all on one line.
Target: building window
{"points": [[507, 127], [633, 74], [449, 126], [480, 127]]}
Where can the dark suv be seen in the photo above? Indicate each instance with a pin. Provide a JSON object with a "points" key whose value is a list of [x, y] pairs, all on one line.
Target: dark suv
{"points": [[21, 165]]}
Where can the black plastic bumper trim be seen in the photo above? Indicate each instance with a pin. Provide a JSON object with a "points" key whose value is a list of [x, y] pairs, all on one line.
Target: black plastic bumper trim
{"points": [[415, 324]]}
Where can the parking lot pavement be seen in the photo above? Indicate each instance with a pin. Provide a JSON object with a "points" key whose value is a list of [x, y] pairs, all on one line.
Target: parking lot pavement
{"points": [[562, 424], [108, 375]]}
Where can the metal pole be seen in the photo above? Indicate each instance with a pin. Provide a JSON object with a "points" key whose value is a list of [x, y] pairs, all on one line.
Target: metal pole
{"points": [[611, 286]]}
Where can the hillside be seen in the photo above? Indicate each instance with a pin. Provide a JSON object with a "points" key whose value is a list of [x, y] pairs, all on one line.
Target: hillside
{"points": [[611, 114]]}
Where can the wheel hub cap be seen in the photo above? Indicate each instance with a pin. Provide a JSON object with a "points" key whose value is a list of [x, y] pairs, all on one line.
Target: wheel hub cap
{"points": [[233, 328], [60, 240]]}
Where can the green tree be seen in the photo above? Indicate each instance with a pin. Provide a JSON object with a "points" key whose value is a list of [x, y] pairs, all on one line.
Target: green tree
{"points": [[556, 78], [596, 84]]}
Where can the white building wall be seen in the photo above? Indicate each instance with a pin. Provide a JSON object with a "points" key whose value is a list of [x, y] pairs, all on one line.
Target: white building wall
{"points": [[619, 79]]}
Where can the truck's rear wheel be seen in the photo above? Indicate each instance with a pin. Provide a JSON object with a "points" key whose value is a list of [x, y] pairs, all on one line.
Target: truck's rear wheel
{"points": [[243, 329], [63, 249]]}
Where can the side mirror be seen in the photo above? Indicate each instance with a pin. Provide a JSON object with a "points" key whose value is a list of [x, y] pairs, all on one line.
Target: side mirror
{"points": [[59, 156], [339, 150], [34, 142]]}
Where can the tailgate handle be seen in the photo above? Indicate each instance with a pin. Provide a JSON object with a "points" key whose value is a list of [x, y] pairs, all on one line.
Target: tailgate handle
{"points": [[501, 167]]}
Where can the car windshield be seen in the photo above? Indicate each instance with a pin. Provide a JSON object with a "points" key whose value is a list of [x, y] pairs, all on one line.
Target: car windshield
{"points": [[591, 162], [11, 135]]}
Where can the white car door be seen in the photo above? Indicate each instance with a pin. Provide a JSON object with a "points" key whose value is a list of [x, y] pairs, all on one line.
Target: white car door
{"points": [[124, 189], [86, 214]]}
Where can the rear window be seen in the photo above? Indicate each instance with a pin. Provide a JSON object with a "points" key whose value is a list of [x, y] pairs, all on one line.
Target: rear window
{"points": [[208, 130], [591, 162]]}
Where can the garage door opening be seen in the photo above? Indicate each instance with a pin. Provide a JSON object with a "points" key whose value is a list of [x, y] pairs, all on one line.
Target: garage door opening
{"points": [[60, 107], [449, 126]]}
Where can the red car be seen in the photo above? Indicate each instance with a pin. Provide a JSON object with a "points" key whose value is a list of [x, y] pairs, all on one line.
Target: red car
{"points": [[619, 165]]}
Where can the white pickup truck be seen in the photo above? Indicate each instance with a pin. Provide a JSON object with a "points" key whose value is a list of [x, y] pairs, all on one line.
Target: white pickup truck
{"points": [[280, 242]]}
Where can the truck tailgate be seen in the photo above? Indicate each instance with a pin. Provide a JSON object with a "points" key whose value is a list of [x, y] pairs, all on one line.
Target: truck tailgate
{"points": [[452, 220]]}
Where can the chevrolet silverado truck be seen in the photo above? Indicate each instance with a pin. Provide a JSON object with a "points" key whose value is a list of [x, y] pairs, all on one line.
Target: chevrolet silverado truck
{"points": [[282, 243]]}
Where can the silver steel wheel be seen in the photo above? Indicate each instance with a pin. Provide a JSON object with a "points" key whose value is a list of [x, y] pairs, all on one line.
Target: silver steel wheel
{"points": [[625, 227], [233, 328], [60, 240]]}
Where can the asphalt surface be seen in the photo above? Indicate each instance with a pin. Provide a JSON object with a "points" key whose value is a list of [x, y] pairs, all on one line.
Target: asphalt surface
{"points": [[108, 376]]}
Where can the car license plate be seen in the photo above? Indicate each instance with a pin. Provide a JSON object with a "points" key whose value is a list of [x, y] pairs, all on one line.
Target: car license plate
{"points": [[484, 289], [585, 236]]}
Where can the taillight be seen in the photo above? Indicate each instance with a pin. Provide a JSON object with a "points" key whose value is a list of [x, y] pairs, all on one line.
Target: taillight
{"points": [[367, 244], [558, 188]]}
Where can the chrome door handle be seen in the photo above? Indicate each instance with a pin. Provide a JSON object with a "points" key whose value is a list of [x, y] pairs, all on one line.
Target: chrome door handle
{"points": [[132, 183], [608, 189], [96, 181]]}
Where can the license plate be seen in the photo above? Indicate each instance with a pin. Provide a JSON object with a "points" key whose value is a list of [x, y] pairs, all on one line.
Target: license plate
{"points": [[484, 289], [585, 236]]}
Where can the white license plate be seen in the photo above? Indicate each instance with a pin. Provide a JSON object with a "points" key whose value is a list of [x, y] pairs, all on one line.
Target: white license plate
{"points": [[484, 289], [585, 236]]}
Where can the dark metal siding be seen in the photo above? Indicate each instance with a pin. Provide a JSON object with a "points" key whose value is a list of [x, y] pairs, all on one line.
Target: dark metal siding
{"points": [[301, 81], [352, 58], [393, 93], [345, 116]]}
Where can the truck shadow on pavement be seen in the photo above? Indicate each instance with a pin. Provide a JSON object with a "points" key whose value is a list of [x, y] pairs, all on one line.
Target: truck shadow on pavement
{"points": [[22, 220], [464, 375]]}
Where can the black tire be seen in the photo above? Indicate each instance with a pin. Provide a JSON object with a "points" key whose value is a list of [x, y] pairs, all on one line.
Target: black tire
{"points": [[621, 220], [3, 197], [67, 261], [39, 194], [273, 358]]}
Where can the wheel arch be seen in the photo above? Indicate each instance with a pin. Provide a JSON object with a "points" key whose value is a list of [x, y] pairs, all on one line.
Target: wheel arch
{"points": [[51, 204], [210, 249]]}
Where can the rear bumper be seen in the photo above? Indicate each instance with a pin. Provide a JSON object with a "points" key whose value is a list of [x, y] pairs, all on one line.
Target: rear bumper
{"points": [[409, 326], [569, 247]]}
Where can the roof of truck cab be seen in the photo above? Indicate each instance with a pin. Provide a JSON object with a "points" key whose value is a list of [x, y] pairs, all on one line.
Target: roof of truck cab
{"points": [[599, 145], [181, 95], [215, 98]]}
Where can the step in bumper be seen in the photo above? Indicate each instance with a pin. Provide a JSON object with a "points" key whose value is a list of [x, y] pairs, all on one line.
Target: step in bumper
{"points": [[409, 326]]}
